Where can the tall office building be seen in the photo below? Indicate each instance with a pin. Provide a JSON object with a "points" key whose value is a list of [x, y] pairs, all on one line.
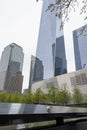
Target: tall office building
{"points": [[59, 57], [50, 46], [80, 47], [11, 65], [36, 70]]}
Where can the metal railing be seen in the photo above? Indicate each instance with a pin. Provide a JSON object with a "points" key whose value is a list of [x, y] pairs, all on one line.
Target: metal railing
{"points": [[14, 113]]}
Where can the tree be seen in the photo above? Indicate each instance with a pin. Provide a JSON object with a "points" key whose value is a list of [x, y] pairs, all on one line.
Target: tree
{"points": [[64, 7], [52, 94], [3, 97], [44, 98], [85, 97], [27, 98], [77, 96], [37, 98], [63, 97], [15, 97]]}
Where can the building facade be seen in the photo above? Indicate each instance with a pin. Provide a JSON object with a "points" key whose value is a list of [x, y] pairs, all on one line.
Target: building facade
{"points": [[11, 65], [49, 40], [60, 64], [74, 79], [36, 70], [80, 47]]}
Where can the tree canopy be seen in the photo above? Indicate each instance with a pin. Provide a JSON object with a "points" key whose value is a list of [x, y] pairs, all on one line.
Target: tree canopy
{"points": [[77, 95], [64, 7], [55, 95]]}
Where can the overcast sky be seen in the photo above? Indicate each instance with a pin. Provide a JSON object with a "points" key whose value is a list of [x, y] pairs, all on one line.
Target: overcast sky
{"points": [[19, 23], [76, 20]]}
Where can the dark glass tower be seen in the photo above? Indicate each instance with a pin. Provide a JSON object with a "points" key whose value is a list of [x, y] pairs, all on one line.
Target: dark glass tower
{"points": [[80, 47], [36, 70], [60, 66]]}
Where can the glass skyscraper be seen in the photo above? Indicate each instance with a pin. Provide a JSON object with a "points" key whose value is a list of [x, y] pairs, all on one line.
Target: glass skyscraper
{"points": [[60, 64], [11, 65], [80, 47], [36, 70], [50, 46]]}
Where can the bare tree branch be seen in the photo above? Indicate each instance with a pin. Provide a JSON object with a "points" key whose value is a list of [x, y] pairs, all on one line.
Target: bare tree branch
{"points": [[64, 7]]}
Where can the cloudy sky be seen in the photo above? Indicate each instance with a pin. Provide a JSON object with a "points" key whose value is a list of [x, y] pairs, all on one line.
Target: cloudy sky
{"points": [[76, 20], [19, 23]]}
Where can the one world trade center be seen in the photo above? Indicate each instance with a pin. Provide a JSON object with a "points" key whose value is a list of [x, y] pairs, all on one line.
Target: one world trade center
{"points": [[50, 46]]}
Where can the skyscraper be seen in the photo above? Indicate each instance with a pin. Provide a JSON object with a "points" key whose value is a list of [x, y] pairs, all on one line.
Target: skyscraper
{"points": [[50, 42], [60, 64], [36, 70], [80, 47], [11, 65]]}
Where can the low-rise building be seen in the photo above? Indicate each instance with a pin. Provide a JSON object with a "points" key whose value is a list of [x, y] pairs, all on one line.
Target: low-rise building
{"points": [[70, 80]]}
